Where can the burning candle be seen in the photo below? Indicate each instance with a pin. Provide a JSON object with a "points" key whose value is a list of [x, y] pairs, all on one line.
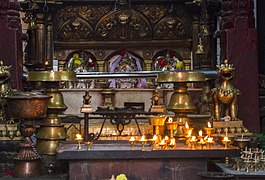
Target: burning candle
{"points": [[209, 142], [162, 144], [78, 138], [143, 140], [154, 141], [172, 143], [193, 141], [187, 125], [170, 120], [209, 125], [225, 141], [200, 135], [202, 143], [209, 130], [132, 141]]}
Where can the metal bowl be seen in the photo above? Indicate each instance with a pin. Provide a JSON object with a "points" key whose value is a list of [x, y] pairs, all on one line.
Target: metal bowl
{"points": [[28, 105]]}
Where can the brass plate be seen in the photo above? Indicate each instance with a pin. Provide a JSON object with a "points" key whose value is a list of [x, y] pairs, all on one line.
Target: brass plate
{"points": [[185, 76], [51, 76]]}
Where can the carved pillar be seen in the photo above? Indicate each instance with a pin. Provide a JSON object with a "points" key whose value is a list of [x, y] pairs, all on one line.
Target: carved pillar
{"points": [[195, 31], [49, 43], [239, 46], [11, 40], [40, 46]]}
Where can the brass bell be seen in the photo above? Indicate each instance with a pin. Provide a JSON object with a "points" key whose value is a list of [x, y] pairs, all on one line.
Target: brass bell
{"points": [[200, 47]]}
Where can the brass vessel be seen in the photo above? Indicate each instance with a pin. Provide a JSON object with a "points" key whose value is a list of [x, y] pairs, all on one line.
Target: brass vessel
{"points": [[180, 101], [27, 107], [51, 130]]}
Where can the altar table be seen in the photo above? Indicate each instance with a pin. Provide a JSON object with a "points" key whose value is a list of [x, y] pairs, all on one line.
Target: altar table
{"points": [[116, 157]]}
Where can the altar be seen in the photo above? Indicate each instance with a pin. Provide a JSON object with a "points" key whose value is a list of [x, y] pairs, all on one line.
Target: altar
{"points": [[106, 158]]}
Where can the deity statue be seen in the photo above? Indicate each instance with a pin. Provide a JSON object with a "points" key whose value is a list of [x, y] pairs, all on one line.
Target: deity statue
{"points": [[225, 95]]}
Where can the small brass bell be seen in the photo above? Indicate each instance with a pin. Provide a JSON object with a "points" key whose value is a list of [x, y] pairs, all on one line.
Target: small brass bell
{"points": [[200, 47]]}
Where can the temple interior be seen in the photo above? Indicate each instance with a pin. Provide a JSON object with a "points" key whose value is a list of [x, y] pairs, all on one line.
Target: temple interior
{"points": [[132, 89]]}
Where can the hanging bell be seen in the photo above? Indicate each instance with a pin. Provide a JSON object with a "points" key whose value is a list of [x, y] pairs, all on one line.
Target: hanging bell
{"points": [[200, 47]]}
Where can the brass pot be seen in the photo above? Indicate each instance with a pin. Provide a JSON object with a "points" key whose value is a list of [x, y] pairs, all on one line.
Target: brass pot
{"points": [[27, 105]]}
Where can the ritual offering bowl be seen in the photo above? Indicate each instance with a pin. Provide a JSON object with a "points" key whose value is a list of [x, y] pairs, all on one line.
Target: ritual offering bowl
{"points": [[242, 142]]}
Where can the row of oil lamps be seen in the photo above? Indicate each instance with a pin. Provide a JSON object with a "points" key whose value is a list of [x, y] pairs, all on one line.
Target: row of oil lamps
{"points": [[204, 142]]}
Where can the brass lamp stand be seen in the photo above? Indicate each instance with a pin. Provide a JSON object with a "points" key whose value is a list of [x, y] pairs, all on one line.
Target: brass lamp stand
{"points": [[51, 129], [180, 101]]}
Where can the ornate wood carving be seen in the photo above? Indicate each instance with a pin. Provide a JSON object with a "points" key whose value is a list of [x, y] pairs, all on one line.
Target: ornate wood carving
{"points": [[75, 22], [153, 12], [171, 28], [76, 29], [124, 25]]}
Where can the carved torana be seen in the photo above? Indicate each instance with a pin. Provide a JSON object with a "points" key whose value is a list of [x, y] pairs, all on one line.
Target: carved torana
{"points": [[124, 25]]}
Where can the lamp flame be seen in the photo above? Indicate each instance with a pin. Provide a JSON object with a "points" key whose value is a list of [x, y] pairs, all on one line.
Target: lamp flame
{"points": [[209, 125], [200, 133], [187, 125], [170, 120], [132, 139]]}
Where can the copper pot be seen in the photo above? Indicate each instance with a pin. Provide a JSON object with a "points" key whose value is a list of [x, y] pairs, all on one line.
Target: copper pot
{"points": [[27, 105]]}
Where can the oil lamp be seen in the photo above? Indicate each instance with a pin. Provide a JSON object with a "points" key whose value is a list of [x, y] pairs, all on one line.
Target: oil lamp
{"points": [[143, 141], [154, 141], [162, 144], [209, 130], [200, 135], [226, 141], [171, 126], [188, 137], [209, 142], [193, 141], [132, 141], [202, 144], [172, 143], [88, 145], [157, 122], [180, 101], [79, 139], [166, 141], [187, 128]]}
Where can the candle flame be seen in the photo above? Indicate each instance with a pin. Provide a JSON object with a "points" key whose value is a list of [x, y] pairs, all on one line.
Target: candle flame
{"points": [[225, 138], [200, 133], [132, 139], [209, 125], [166, 138], [170, 120], [193, 138], [202, 141], [78, 136], [155, 137], [162, 142], [143, 138], [205, 138], [172, 142], [46, 63], [187, 125], [210, 140]]}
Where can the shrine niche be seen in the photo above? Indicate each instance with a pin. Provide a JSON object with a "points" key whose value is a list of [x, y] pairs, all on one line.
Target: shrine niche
{"points": [[122, 62]]}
